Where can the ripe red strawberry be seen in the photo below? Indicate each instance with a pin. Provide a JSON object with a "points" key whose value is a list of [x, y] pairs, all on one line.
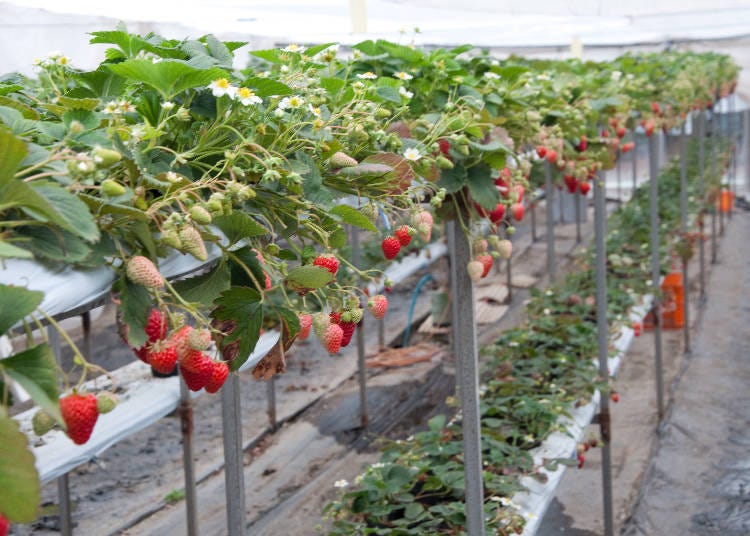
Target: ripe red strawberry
{"points": [[621, 131], [475, 269], [605, 133], [613, 122], [582, 144], [390, 246], [627, 147], [163, 357], [570, 183], [327, 261], [305, 323], [517, 211], [486, 261], [541, 150], [378, 305], [197, 370], [551, 156], [497, 215], [141, 271], [4, 526], [637, 329], [218, 376], [444, 147], [403, 234], [581, 460], [519, 190], [79, 413], [650, 125], [615, 397], [656, 108], [335, 317], [156, 326], [584, 187], [348, 330], [332, 338]]}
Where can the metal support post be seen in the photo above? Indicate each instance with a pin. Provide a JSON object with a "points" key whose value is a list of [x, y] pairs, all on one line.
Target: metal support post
{"points": [[550, 197], [465, 343], [532, 208], [635, 164], [722, 135], [712, 163], [702, 190], [683, 228], [234, 476], [619, 180], [602, 331], [63, 485], [357, 261], [185, 412], [653, 145], [509, 276], [271, 402], [577, 198]]}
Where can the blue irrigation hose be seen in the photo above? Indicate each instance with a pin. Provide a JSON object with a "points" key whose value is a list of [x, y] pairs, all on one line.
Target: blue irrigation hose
{"points": [[414, 295]]}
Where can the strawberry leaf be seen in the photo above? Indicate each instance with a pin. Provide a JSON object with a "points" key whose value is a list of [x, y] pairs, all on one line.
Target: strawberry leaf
{"points": [[20, 491], [308, 277], [17, 303], [243, 307], [353, 217], [35, 370]]}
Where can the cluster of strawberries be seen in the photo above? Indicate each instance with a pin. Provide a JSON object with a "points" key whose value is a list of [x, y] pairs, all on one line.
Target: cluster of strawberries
{"points": [[421, 224], [79, 412], [479, 267], [185, 346]]}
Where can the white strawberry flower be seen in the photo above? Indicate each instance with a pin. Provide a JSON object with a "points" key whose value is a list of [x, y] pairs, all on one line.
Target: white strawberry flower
{"points": [[491, 76], [340, 484], [248, 97], [369, 75], [405, 92], [412, 154], [294, 48], [295, 101], [167, 105], [221, 87], [401, 75]]}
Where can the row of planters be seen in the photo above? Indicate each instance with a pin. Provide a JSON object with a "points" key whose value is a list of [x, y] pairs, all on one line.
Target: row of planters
{"points": [[165, 150], [534, 375]]}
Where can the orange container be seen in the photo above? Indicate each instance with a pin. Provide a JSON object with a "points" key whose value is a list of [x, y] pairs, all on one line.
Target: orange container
{"points": [[726, 201], [672, 304]]}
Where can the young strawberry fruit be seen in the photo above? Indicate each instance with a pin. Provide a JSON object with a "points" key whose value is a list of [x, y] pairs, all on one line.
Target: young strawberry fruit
{"points": [[475, 270], [480, 246], [403, 234], [218, 376], [180, 341], [327, 261], [505, 248], [163, 357], [106, 402], [79, 413], [348, 330], [197, 370], [42, 422], [378, 305], [486, 261], [199, 339], [141, 271], [305, 323], [390, 246], [200, 215], [332, 338], [156, 326], [517, 210], [341, 160], [192, 242], [541, 150]]}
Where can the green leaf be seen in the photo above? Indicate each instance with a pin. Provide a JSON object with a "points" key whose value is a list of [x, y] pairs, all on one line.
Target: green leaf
{"points": [[55, 244], [8, 251], [453, 179], [436, 423], [15, 121], [219, 51], [353, 217], [317, 48], [35, 370], [313, 186], [365, 170], [12, 152], [100, 206], [413, 510], [482, 188], [205, 288], [71, 212], [26, 111], [271, 55], [332, 85], [135, 304], [397, 476], [168, 77], [71, 103], [265, 87], [239, 225], [17, 303], [20, 491], [243, 306], [367, 47], [308, 277], [389, 94]]}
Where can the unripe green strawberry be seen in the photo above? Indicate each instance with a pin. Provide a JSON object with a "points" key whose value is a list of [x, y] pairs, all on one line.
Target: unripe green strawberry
{"points": [[140, 203], [192, 242], [443, 162], [105, 402], [341, 160], [80, 414], [141, 271], [112, 188], [475, 270], [370, 212], [382, 113], [215, 206], [171, 238], [356, 314], [42, 422], [76, 127], [200, 215], [199, 339], [105, 157], [273, 249], [321, 321]]}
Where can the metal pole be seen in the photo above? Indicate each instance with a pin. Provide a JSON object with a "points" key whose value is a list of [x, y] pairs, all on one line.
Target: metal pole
{"points": [[602, 331], [712, 163], [550, 196], [683, 228], [619, 179], [635, 164], [721, 132], [702, 190], [63, 485], [509, 278], [234, 476], [732, 153], [271, 399], [381, 334], [533, 220], [653, 145], [357, 261], [185, 412], [577, 198], [468, 377]]}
